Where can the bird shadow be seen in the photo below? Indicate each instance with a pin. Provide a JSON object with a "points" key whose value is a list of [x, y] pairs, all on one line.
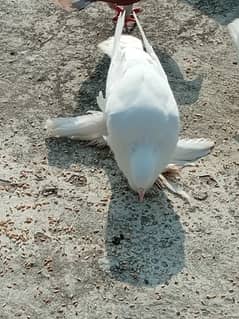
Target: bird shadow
{"points": [[222, 11], [91, 87], [186, 92], [144, 242]]}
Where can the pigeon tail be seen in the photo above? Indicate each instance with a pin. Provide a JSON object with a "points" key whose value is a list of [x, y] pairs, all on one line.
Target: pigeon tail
{"points": [[149, 49], [113, 46]]}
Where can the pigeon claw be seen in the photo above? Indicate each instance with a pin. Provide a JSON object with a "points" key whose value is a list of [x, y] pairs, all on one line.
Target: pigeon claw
{"points": [[129, 20]]}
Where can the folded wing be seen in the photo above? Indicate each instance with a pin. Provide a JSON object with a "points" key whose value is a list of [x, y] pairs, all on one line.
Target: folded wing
{"points": [[190, 150]]}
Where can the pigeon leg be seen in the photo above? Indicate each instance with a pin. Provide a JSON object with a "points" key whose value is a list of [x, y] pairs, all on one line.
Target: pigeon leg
{"points": [[172, 171], [163, 182], [129, 18]]}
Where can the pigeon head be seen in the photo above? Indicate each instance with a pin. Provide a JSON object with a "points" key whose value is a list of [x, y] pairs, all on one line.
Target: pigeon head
{"points": [[143, 169]]}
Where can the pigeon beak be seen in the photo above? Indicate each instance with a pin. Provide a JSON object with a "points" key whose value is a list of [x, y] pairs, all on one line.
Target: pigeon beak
{"points": [[141, 193]]}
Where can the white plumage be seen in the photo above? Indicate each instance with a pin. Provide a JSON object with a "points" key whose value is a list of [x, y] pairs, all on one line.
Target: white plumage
{"points": [[190, 150], [139, 118], [234, 32], [85, 127]]}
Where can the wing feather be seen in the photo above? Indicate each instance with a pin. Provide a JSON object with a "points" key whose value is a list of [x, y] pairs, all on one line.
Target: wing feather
{"points": [[85, 127], [190, 150]]}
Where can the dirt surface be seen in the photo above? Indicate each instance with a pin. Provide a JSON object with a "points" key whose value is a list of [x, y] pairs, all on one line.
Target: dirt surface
{"points": [[75, 242]]}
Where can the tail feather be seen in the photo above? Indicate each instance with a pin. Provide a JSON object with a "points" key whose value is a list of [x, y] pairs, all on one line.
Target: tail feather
{"points": [[116, 55], [190, 150], [113, 46], [149, 48], [85, 127], [118, 32]]}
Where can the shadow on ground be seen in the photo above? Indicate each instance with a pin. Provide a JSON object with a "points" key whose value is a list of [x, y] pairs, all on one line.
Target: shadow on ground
{"points": [[186, 92], [144, 241], [223, 11]]}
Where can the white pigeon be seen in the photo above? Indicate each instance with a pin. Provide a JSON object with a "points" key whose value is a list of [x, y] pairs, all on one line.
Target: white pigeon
{"points": [[233, 28], [139, 118]]}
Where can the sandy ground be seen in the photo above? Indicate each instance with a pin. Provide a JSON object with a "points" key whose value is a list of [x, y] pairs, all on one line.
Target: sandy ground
{"points": [[75, 242]]}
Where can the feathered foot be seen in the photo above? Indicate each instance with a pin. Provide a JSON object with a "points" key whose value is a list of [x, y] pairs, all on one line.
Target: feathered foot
{"points": [[171, 186], [187, 151], [172, 171], [168, 180]]}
